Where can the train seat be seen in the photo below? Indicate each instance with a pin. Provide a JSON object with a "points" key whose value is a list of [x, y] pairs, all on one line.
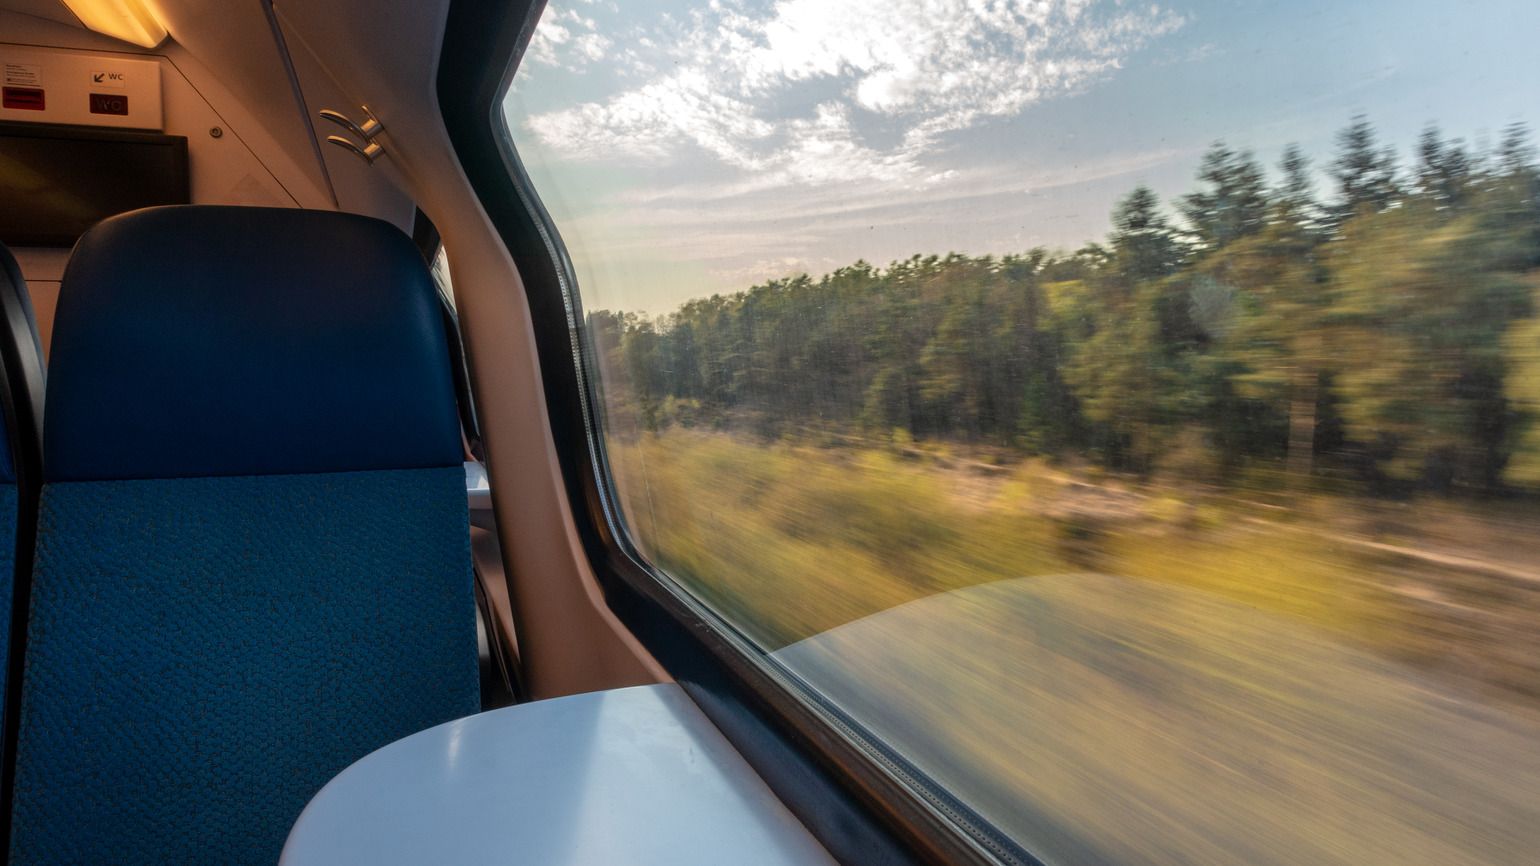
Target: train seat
{"points": [[253, 562]]}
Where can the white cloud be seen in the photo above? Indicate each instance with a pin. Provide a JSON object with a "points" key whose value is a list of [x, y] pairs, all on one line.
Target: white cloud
{"points": [[769, 269], [926, 67], [569, 40], [648, 121], [705, 212]]}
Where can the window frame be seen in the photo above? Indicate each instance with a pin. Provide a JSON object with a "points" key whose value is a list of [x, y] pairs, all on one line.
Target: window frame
{"points": [[863, 801]]}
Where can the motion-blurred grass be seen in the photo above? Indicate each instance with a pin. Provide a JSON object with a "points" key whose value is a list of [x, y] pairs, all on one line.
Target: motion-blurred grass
{"points": [[792, 539], [1190, 674]]}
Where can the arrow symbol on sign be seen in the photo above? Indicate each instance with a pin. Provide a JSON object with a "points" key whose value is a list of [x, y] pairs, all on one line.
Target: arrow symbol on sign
{"points": [[97, 77]]}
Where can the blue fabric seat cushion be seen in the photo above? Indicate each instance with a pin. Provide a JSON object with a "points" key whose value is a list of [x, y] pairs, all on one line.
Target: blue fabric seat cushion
{"points": [[205, 653]]}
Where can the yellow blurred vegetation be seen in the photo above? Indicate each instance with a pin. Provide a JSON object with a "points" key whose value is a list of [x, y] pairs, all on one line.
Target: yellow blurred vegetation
{"points": [[789, 539]]}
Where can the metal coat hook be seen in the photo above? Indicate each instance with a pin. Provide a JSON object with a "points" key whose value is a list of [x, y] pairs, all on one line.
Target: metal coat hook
{"points": [[368, 153], [369, 150], [370, 128]]}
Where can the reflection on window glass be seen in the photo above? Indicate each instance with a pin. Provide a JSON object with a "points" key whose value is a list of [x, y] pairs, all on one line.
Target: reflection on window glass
{"points": [[1128, 413], [439, 270]]}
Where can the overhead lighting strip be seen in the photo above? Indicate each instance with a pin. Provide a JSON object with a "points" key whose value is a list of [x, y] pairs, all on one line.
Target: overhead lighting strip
{"points": [[128, 20]]}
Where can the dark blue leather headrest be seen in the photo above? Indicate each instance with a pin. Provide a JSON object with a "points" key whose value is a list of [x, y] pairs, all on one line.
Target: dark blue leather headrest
{"points": [[202, 341]]}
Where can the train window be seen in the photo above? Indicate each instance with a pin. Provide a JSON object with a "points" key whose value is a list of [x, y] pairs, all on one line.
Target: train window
{"points": [[1127, 415]]}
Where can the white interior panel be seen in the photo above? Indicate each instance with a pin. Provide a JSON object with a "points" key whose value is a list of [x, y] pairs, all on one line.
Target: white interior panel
{"points": [[360, 187], [81, 88]]}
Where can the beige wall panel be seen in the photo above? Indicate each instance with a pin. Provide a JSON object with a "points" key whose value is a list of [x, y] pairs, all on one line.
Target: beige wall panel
{"points": [[569, 639]]}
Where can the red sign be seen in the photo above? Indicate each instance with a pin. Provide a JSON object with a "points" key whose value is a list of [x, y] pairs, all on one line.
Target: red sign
{"points": [[25, 98]]}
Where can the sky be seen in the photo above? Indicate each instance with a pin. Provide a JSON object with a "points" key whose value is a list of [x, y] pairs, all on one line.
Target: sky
{"points": [[691, 147]]}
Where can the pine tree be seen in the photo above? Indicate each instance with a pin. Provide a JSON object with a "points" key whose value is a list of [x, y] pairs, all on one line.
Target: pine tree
{"points": [[1144, 247], [1515, 199], [1445, 171], [1366, 175], [1232, 202], [1293, 201]]}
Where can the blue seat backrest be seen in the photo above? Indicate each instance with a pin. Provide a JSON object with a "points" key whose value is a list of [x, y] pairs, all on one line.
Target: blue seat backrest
{"points": [[253, 562], [21, 415]]}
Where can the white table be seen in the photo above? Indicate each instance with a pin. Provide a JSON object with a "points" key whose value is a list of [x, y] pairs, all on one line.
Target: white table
{"points": [[631, 777]]}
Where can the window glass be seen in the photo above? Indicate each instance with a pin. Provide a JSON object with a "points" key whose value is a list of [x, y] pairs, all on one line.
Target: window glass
{"points": [[1129, 414]]}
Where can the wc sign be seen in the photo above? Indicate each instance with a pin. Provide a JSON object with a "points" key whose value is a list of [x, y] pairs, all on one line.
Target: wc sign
{"points": [[117, 80]]}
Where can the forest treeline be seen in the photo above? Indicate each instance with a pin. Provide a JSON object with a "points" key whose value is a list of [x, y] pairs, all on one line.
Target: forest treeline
{"points": [[1385, 330]]}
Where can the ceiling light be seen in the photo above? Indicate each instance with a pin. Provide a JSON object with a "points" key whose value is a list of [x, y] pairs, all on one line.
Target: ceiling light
{"points": [[128, 20]]}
